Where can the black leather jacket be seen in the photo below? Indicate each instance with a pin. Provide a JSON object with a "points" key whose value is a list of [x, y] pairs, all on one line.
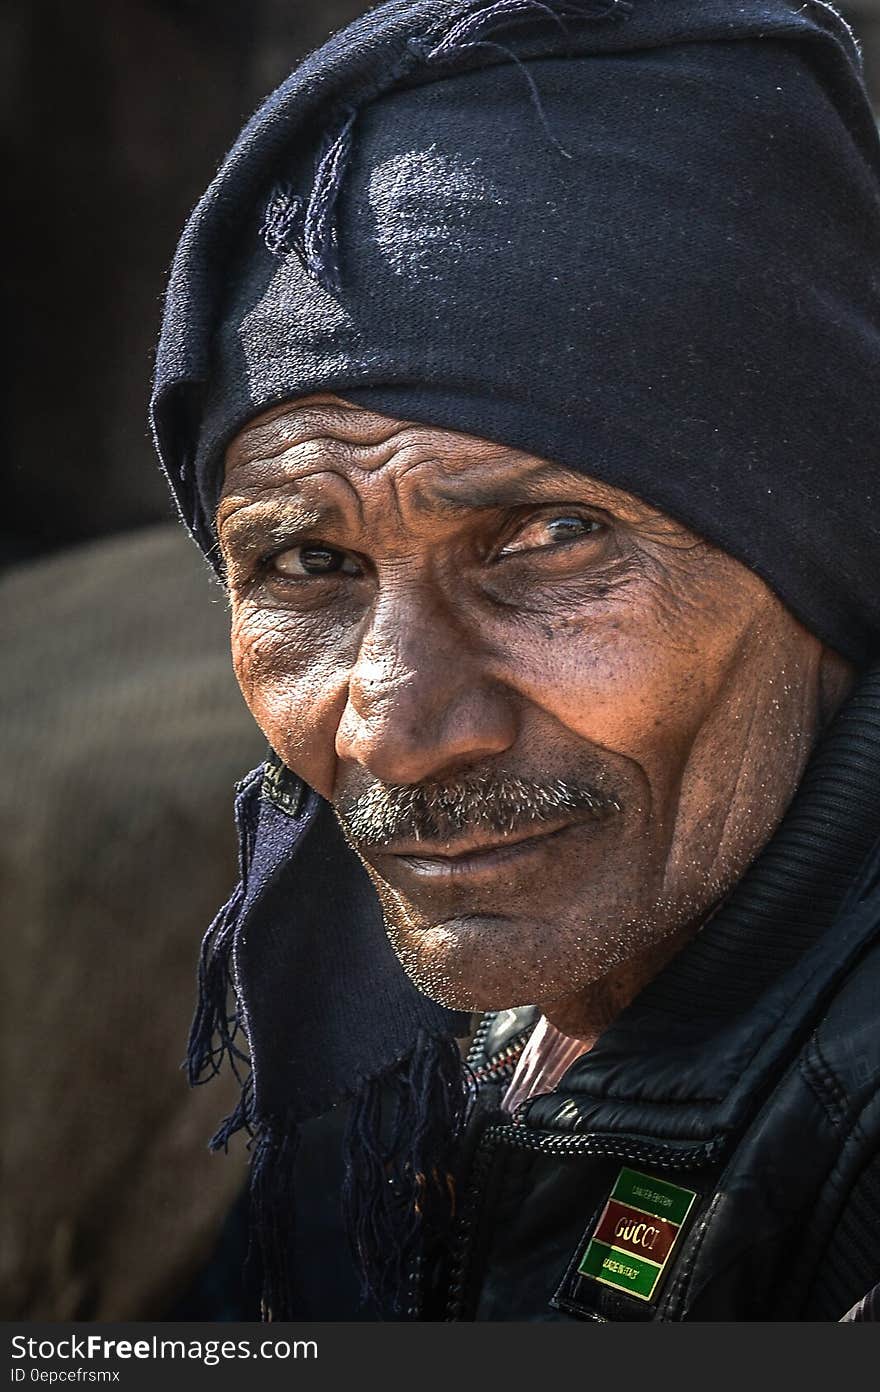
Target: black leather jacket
{"points": [[765, 1141]]}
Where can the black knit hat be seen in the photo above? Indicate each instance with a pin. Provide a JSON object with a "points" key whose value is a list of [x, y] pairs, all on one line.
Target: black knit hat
{"points": [[640, 239]]}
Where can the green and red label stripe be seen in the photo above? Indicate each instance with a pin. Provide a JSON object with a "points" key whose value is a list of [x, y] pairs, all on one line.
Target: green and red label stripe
{"points": [[636, 1232]]}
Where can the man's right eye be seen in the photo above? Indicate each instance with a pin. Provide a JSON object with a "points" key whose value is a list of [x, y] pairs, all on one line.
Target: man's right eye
{"points": [[311, 559]]}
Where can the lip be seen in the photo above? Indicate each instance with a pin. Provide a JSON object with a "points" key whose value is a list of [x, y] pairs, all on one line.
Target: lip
{"points": [[475, 861]]}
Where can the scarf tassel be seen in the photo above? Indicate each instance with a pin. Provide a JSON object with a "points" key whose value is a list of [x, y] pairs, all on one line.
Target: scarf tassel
{"points": [[272, 1210], [215, 1028], [398, 1190], [399, 1186]]}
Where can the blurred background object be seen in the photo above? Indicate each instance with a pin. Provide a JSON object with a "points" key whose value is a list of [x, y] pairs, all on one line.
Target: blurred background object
{"points": [[118, 115], [122, 734], [121, 729]]}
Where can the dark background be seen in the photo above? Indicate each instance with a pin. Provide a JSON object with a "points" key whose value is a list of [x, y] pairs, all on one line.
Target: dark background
{"points": [[119, 112]]}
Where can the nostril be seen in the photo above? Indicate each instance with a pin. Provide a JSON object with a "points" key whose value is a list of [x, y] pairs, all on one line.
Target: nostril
{"points": [[405, 739]]}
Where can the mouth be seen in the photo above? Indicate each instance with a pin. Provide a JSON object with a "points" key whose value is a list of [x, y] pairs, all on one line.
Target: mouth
{"points": [[474, 859]]}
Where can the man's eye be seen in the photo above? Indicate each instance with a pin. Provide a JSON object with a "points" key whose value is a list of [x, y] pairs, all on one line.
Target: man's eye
{"points": [[550, 531], [298, 562]]}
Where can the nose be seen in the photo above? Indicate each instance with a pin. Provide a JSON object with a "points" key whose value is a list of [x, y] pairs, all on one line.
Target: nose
{"points": [[422, 701]]}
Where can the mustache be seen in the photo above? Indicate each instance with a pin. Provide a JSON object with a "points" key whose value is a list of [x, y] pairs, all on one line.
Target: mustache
{"points": [[486, 802]]}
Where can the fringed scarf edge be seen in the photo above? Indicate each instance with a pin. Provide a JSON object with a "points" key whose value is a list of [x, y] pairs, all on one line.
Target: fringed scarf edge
{"points": [[398, 1189]]}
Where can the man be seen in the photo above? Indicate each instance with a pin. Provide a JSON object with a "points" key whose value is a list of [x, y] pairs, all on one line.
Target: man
{"points": [[518, 378]]}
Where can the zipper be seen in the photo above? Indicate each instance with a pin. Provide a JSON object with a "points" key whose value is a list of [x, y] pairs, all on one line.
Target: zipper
{"points": [[413, 1308], [476, 1047], [501, 1066], [517, 1134]]}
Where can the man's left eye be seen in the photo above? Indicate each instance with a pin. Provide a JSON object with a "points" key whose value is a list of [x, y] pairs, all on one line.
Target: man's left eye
{"points": [[551, 531]]}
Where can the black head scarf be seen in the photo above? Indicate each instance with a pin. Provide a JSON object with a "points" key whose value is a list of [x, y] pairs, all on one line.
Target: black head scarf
{"points": [[637, 237], [640, 239]]}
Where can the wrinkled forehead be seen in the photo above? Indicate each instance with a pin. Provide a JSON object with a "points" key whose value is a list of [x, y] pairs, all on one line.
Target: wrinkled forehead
{"points": [[303, 443]]}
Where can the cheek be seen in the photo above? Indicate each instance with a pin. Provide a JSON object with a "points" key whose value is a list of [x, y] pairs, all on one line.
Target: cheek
{"points": [[621, 685], [294, 687]]}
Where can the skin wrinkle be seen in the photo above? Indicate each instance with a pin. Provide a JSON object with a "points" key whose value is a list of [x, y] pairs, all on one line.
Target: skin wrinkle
{"points": [[727, 802], [740, 777], [455, 647], [736, 657], [277, 430], [328, 512]]}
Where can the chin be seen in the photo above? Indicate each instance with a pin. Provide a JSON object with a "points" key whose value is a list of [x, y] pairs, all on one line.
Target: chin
{"points": [[474, 997], [493, 962]]}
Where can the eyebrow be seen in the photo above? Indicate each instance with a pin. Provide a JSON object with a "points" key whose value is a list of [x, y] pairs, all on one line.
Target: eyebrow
{"points": [[257, 524], [452, 499]]}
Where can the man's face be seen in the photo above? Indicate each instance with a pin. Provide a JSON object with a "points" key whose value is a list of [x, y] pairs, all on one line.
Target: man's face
{"points": [[554, 724]]}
